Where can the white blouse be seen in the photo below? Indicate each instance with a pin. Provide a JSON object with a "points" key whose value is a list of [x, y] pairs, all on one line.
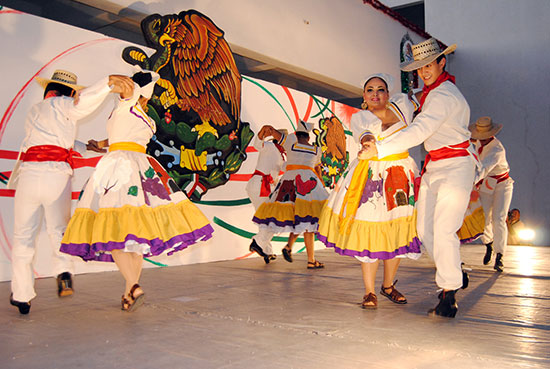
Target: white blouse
{"points": [[129, 122]]}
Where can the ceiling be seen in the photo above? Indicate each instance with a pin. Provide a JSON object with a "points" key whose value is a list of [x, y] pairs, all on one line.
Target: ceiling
{"points": [[123, 23]]}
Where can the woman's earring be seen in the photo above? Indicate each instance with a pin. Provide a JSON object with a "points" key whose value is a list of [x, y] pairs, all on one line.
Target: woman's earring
{"points": [[364, 105]]}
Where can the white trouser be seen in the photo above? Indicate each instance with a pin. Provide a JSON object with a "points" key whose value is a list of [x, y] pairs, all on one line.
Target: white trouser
{"points": [[496, 206], [264, 235], [442, 202], [263, 239], [39, 194]]}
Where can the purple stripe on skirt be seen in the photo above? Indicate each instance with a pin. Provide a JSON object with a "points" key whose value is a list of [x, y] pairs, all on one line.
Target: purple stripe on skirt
{"points": [[412, 248], [88, 252], [468, 240]]}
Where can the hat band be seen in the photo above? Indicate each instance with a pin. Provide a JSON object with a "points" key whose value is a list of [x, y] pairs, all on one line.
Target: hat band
{"points": [[56, 79], [425, 54], [483, 128]]}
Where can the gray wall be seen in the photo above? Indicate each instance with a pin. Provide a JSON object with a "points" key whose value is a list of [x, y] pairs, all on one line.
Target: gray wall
{"points": [[502, 67]]}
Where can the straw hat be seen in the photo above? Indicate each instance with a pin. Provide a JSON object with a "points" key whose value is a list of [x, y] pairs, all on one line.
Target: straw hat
{"points": [[304, 127], [484, 128], [383, 76], [424, 53], [63, 78]]}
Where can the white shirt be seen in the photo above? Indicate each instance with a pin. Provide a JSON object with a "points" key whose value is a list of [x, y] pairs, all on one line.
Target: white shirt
{"points": [[493, 158], [270, 160], [443, 122], [53, 122]]}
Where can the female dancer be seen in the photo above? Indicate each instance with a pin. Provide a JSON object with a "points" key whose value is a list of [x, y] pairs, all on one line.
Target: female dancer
{"points": [[370, 214], [130, 207], [295, 204]]}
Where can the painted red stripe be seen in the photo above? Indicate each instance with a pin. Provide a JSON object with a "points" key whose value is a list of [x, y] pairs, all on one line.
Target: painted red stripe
{"points": [[240, 177], [292, 103], [86, 162], [11, 108], [6, 193], [244, 256], [308, 110], [9, 154], [11, 193], [10, 11]]}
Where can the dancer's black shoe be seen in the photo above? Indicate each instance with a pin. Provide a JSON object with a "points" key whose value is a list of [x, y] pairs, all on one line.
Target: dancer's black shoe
{"points": [[270, 257], [447, 306], [254, 247], [65, 284], [465, 279], [24, 307], [498, 263], [488, 253]]}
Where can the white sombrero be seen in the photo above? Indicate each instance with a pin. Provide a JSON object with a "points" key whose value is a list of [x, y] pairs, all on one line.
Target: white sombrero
{"points": [[63, 78], [424, 53]]}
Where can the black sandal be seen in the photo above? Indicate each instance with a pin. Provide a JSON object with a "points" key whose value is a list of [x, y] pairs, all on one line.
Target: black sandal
{"points": [[287, 253], [315, 264], [394, 295], [370, 301], [134, 302]]}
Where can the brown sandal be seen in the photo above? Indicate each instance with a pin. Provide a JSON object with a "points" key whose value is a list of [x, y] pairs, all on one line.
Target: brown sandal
{"points": [[315, 264], [133, 302], [370, 301], [394, 295]]}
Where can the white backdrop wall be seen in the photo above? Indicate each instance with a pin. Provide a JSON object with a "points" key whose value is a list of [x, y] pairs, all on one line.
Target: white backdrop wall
{"points": [[344, 40], [502, 67], [31, 45]]}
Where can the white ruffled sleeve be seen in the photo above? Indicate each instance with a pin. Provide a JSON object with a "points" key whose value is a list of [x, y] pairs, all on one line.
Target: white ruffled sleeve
{"points": [[363, 123]]}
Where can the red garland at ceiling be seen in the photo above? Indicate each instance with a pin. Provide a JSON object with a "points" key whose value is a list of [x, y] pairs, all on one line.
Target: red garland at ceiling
{"points": [[404, 21]]}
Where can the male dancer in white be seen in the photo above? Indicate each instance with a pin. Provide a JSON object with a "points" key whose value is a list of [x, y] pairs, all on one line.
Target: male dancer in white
{"points": [[449, 169], [42, 176], [271, 158], [496, 189]]}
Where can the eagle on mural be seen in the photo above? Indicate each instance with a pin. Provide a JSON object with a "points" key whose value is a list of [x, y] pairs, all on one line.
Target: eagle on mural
{"points": [[200, 138], [331, 138]]}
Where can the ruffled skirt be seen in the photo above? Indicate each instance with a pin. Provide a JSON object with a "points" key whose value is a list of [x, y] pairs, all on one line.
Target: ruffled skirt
{"points": [[474, 220], [130, 203], [294, 205], [383, 224]]}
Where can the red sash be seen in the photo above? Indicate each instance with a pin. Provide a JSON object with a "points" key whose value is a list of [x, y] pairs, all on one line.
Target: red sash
{"points": [[267, 180], [501, 177], [50, 153], [446, 152]]}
